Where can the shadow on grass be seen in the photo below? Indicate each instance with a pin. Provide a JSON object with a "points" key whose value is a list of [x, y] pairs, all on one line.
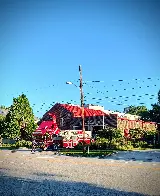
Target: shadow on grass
{"points": [[14, 186]]}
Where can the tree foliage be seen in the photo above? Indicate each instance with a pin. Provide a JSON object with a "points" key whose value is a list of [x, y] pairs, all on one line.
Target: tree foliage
{"points": [[153, 114], [159, 97], [110, 134], [136, 110], [3, 107], [147, 115], [20, 119], [2, 123], [136, 134]]}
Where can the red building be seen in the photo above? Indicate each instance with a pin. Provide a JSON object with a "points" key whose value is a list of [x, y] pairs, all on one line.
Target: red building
{"points": [[69, 117], [66, 120]]}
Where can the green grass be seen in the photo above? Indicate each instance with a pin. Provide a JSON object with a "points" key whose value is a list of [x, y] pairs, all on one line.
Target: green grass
{"points": [[75, 150], [7, 148], [92, 153]]}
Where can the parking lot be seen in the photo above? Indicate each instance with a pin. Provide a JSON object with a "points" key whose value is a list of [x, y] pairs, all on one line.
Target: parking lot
{"points": [[124, 173]]}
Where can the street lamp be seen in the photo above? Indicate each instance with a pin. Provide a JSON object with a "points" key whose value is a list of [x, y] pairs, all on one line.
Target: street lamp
{"points": [[82, 103], [72, 83]]}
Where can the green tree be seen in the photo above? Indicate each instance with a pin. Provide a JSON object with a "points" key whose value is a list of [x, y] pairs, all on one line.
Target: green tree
{"points": [[136, 110], [3, 107], [153, 114], [2, 123], [146, 115], [110, 133], [3, 112], [20, 119], [159, 97]]}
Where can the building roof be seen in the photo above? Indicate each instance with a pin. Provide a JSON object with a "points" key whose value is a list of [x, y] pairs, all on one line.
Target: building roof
{"points": [[3, 112], [77, 111]]}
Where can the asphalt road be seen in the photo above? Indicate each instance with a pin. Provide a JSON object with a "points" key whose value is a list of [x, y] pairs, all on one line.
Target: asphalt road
{"points": [[125, 173], [138, 155]]}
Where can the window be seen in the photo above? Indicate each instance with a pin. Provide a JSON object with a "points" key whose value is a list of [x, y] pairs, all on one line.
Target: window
{"points": [[61, 122]]}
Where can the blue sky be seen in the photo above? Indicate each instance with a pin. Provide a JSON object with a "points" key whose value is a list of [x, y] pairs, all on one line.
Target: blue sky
{"points": [[43, 42]]}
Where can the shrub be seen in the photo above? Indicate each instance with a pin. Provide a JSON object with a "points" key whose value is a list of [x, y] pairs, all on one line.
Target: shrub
{"points": [[9, 146], [23, 143], [136, 134], [140, 144], [126, 147], [100, 143], [6, 145], [79, 146]]}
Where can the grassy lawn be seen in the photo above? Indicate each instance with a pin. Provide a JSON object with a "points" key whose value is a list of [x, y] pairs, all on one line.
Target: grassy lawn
{"points": [[92, 153], [7, 148]]}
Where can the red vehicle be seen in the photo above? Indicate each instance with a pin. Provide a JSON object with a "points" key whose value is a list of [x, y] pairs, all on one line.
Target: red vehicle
{"points": [[48, 135]]}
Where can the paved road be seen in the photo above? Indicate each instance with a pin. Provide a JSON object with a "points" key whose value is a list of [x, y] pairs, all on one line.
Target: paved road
{"points": [[137, 155], [23, 173]]}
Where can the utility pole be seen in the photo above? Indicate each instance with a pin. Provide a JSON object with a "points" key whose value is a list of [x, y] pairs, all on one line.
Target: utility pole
{"points": [[82, 106]]}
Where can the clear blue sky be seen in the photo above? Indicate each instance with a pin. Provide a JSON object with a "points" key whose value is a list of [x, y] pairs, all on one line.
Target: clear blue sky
{"points": [[43, 42]]}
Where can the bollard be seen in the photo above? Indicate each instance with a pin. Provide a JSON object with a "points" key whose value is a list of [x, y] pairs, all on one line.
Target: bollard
{"points": [[88, 149]]}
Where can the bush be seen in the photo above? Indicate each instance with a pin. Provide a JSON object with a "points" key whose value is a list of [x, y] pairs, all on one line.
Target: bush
{"points": [[24, 143], [114, 144], [110, 133], [100, 143], [113, 139], [136, 134], [7, 145], [140, 144], [79, 146], [103, 143], [157, 145], [126, 147]]}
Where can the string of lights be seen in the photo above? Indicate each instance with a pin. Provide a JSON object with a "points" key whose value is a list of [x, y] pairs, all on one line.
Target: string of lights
{"points": [[95, 82], [103, 95]]}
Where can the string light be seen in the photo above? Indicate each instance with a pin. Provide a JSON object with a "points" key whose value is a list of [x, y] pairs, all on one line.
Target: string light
{"points": [[105, 98]]}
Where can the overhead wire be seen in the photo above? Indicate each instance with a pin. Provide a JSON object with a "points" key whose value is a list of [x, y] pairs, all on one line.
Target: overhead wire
{"points": [[111, 99]]}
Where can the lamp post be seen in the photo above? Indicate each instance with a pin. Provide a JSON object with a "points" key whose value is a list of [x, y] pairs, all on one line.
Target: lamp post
{"points": [[82, 103], [82, 106]]}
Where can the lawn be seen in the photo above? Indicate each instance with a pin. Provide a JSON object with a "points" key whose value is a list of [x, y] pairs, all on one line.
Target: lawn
{"points": [[92, 153], [7, 148]]}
